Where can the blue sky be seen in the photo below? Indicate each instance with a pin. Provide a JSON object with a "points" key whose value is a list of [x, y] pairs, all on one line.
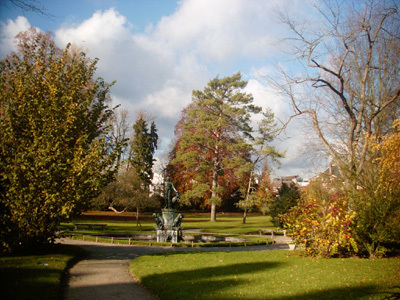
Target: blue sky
{"points": [[158, 51]]}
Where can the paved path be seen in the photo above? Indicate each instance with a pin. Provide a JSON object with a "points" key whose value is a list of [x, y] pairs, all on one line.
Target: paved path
{"points": [[104, 274]]}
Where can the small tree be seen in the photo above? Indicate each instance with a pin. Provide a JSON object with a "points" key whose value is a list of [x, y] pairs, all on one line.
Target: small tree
{"points": [[127, 193], [54, 152], [261, 151], [287, 198]]}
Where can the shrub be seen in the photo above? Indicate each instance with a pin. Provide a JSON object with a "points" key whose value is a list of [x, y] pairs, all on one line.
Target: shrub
{"points": [[324, 230]]}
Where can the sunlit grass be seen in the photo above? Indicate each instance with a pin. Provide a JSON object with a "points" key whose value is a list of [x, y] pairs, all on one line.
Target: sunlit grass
{"points": [[226, 223], [265, 275]]}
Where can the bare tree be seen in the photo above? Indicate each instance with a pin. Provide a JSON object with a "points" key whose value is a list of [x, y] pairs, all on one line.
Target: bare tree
{"points": [[35, 6], [350, 87], [120, 128]]}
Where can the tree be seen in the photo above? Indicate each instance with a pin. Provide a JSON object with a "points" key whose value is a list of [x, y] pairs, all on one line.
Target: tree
{"points": [[287, 198], [142, 147], [261, 151], [265, 193], [29, 5], [377, 204], [350, 95], [127, 192], [214, 136], [351, 87], [119, 132], [131, 188], [54, 151]]}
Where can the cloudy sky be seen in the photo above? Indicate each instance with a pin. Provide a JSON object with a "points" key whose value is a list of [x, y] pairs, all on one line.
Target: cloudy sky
{"points": [[159, 51]]}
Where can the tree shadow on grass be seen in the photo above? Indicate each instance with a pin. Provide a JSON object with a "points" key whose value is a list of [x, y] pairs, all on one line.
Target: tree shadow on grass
{"points": [[215, 283], [187, 284], [27, 283]]}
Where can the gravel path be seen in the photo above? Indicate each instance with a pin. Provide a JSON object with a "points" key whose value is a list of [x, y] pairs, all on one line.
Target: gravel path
{"points": [[104, 274]]}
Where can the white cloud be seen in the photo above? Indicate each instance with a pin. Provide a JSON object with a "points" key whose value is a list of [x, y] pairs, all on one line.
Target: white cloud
{"points": [[157, 70], [8, 33], [218, 31]]}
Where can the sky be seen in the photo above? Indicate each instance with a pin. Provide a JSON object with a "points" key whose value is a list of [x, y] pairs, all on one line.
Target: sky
{"points": [[159, 51]]}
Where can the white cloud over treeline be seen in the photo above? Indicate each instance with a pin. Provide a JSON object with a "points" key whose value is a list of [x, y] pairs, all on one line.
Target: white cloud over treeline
{"points": [[156, 70]]}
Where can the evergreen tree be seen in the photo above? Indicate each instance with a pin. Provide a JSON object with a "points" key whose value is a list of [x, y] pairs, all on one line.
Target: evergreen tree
{"points": [[288, 197], [143, 146], [215, 136]]}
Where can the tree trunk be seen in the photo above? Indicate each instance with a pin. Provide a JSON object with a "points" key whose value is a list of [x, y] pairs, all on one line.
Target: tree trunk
{"points": [[213, 212], [214, 195], [244, 216], [137, 218], [214, 185]]}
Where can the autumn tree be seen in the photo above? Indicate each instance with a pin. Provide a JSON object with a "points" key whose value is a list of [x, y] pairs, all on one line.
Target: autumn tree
{"points": [[54, 152], [265, 193], [349, 93], [218, 124], [378, 203], [185, 179]]}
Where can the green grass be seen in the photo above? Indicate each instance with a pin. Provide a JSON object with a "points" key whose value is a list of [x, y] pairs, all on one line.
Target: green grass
{"points": [[226, 224], [250, 241], [265, 275], [38, 276]]}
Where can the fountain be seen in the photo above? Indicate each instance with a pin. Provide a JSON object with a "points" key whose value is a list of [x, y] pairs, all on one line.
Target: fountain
{"points": [[168, 228]]}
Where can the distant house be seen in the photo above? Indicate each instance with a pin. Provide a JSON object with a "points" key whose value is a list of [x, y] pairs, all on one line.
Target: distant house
{"points": [[332, 171], [277, 182]]}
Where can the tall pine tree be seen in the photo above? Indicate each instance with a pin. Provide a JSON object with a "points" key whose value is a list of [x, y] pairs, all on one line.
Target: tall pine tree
{"points": [[215, 135]]}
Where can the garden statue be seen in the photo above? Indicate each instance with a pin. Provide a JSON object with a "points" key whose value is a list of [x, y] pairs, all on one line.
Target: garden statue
{"points": [[168, 189], [168, 227]]}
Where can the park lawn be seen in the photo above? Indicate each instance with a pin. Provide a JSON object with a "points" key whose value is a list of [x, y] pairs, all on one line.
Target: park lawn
{"points": [[36, 276], [226, 223], [265, 275]]}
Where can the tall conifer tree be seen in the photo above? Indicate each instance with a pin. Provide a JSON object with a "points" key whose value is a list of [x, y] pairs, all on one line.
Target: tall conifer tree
{"points": [[216, 135], [143, 146]]}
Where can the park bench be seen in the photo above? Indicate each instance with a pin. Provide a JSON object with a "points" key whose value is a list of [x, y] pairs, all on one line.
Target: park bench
{"points": [[272, 232], [89, 225]]}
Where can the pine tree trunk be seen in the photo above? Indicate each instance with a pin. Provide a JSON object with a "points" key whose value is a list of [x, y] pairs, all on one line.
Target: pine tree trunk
{"points": [[214, 186], [213, 195]]}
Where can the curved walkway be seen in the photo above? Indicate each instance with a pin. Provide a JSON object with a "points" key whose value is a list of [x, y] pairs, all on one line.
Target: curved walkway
{"points": [[104, 273]]}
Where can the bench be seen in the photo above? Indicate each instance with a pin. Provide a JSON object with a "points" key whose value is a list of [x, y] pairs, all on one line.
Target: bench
{"points": [[89, 225], [271, 232]]}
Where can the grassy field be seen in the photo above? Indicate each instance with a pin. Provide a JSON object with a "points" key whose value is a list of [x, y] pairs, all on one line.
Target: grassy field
{"points": [[126, 223], [36, 276], [265, 275]]}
